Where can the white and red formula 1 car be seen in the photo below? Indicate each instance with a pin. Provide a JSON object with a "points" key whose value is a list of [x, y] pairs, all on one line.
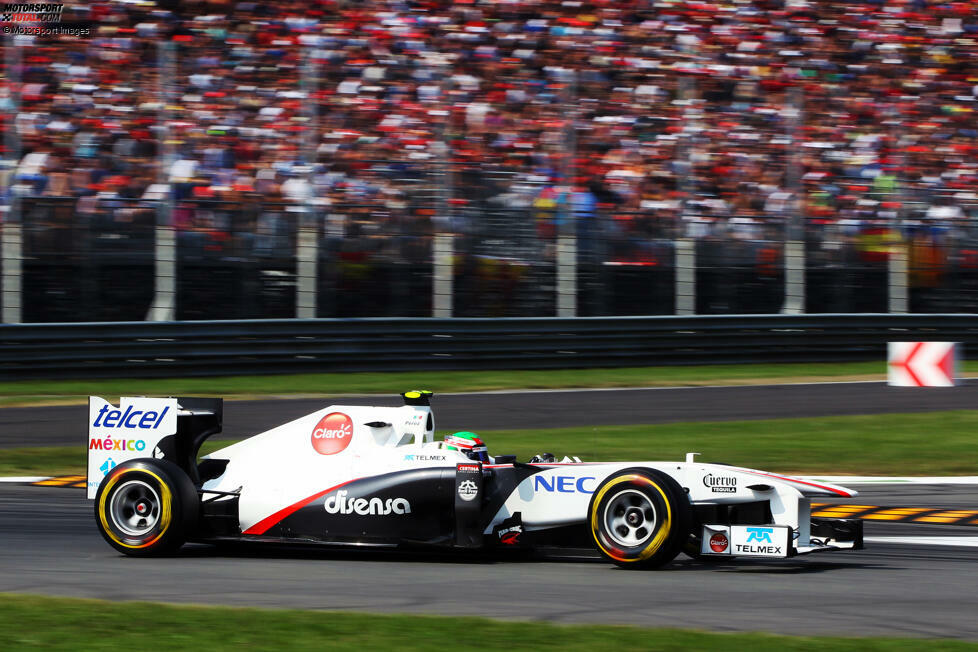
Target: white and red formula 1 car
{"points": [[358, 475]]}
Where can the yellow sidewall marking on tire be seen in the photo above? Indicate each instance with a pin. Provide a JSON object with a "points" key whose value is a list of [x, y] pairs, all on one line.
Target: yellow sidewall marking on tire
{"points": [[657, 540], [165, 499]]}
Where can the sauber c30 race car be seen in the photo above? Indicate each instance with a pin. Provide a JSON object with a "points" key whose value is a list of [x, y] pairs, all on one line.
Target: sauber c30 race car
{"points": [[375, 476]]}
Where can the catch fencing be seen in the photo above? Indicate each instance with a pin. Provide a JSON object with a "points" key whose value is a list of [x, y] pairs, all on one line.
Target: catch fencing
{"points": [[104, 260]]}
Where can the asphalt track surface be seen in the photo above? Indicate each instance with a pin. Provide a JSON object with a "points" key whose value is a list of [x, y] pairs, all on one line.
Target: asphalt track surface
{"points": [[66, 425], [50, 546]]}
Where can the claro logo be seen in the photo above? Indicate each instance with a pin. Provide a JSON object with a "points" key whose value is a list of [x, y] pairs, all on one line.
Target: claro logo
{"points": [[719, 542], [332, 434]]}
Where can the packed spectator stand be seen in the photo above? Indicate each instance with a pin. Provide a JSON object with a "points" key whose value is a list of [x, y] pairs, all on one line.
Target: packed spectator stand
{"points": [[627, 124]]}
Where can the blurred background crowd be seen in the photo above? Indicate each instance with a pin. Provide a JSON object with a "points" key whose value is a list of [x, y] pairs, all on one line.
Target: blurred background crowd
{"points": [[627, 124]]}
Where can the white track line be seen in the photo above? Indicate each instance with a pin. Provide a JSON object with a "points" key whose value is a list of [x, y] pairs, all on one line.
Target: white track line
{"points": [[558, 390], [656, 388], [665, 387], [860, 479], [25, 479], [964, 542]]}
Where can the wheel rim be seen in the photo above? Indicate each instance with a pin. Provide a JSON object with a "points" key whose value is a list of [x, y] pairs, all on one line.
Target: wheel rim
{"points": [[630, 518], [135, 508]]}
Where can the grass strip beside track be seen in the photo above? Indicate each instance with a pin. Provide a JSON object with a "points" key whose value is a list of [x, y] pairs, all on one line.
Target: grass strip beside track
{"points": [[885, 444], [30, 622], [32, 392]]}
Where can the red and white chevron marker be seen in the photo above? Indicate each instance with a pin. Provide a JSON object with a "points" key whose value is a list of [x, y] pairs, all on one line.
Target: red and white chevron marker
{"points": [[922, 364]]}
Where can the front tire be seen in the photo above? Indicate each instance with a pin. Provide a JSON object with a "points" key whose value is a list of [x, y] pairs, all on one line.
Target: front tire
{"points": [[640, 518], [146, 507]]}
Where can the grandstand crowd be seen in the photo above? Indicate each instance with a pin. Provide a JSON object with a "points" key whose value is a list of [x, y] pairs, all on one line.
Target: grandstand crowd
{"points": [[737, 110]]}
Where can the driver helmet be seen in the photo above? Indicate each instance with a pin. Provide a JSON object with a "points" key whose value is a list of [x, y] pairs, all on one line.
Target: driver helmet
{"points": [[468, 443]]}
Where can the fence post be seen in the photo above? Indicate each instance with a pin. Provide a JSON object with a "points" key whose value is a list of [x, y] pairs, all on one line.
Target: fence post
{"points": [[13, 240], [794, 277], [163, 307], [685, 253], [307, 255], [442, 253], [898, 299], [444, 219], [567, 274], [899, 259], [165, 277], [685, 276], [12, 272], [307, 238], [566, 258], [794, 246]]}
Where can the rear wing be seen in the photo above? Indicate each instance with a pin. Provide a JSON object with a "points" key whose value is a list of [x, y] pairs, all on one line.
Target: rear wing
{"points": [[162, 428]]}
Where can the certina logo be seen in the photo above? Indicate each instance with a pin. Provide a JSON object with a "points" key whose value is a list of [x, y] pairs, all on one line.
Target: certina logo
{"points": [[340, 504], [720, 484], [565, 484], [332, 434], [719, 542], [130, 419]]}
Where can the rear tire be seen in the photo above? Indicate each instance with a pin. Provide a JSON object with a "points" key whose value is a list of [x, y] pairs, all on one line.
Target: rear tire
{"points": [[146, 507], [640, 518]]}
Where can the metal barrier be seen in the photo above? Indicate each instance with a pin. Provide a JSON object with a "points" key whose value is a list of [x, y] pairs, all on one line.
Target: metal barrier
{"points": [[210, 348]]}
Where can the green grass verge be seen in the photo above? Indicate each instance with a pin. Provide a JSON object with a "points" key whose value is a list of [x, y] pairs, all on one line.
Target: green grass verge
{"points": [[73, 391], [898, 444], [29, 623]]}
